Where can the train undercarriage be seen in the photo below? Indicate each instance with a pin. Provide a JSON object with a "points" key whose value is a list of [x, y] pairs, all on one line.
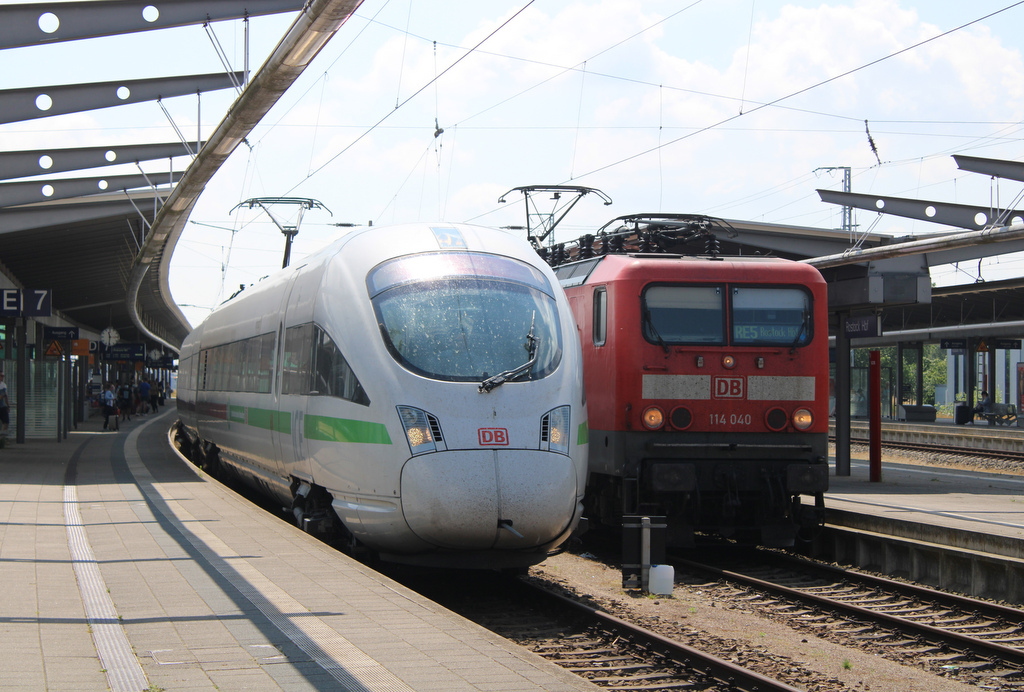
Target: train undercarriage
{"points": [[731, 501]]}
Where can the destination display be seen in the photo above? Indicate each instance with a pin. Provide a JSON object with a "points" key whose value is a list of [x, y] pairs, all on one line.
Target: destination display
{"points": [[133, 352], [767, 332]]}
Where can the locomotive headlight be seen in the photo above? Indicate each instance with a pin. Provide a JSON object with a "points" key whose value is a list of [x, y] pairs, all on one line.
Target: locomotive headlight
{"points": [[653, 418], [728, 362], [802, 419], [418, 430], [554, 430]]}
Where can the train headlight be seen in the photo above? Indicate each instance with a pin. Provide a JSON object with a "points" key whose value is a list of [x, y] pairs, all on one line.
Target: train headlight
{"points": [[728, 362], [422, 430], [802, 419], [653, 418], [554, 430]]}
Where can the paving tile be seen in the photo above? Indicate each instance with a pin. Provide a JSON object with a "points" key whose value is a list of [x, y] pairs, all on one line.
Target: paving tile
{"points": [[180, 580]]}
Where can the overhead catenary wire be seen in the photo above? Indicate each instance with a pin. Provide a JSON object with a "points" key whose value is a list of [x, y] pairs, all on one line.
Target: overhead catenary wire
{"points": [[660, 144], [413, 95], [808, 88]]}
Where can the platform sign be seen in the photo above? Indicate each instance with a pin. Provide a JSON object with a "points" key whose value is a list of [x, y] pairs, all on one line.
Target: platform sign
{"points": [[25, 302], [80, 347], [1006, 344], [60, 333], [127, 351], [865, 325], [954, 344]]}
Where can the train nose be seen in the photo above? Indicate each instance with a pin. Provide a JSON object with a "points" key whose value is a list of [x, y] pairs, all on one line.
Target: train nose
{"points": [[483, 499]]}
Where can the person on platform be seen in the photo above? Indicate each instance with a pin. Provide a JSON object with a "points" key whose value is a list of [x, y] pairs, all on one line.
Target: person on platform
{"points": [[144, 397], [124, 400], [5, 407], [154, 397], [109, 405], [985, 405]]}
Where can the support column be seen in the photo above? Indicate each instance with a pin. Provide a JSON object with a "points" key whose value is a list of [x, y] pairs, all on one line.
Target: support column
{"points": [[842, 397], [22, 383], [900, 351], [919, 394], [875, 416]]}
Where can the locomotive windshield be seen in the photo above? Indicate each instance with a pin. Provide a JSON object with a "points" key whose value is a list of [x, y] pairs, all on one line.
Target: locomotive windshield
{"points": [[771, 316], [465, 317], [684, 315], [751, 316]]}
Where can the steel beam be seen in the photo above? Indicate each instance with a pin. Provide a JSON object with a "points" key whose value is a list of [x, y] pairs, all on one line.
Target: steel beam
{"points": [[29, 162], [940, 244], [48, 22], [310, 32], [1011, 170], [959, 215], [13, 194], [17, 105], [43, 215]]}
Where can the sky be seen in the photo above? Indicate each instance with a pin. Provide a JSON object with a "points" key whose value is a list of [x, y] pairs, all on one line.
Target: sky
{"points": [[431, 111]]}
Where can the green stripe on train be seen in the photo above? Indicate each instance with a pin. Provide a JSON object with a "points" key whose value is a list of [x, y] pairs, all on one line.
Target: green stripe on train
{"points": [[583, 433], [278, 421], [344, 430]]}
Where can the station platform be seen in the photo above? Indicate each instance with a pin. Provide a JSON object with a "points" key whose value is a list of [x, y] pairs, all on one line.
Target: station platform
{"points": [[123, 567], [977, 509]]}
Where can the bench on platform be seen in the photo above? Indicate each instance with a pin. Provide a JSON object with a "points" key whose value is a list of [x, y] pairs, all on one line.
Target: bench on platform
{"points": [[917, 414], [1000, 414]]}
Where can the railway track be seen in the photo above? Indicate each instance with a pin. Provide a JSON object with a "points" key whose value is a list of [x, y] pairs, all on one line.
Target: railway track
{"points": [[944, 449], [606, 650], [973, 641]]}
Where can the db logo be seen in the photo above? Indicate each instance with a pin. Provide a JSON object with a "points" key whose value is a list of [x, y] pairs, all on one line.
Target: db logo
{"points": [[729, 388], [492, 437]]}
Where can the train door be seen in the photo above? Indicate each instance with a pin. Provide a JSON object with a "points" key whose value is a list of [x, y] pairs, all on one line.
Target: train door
{"points": [[296, 365], [296, 344]]}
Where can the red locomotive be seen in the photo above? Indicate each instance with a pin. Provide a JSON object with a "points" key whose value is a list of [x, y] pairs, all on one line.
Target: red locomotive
{"points": [[707, 381]]}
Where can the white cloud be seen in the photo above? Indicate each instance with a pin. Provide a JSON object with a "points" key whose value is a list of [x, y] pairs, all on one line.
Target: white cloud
{"points": [[522, 110]]}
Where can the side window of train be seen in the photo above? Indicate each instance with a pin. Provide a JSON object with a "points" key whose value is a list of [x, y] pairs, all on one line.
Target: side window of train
{"points": [[600, 315], [313, 364], [332, 375], [201, 375], [265, 374], [297, 362], [239, 366]]}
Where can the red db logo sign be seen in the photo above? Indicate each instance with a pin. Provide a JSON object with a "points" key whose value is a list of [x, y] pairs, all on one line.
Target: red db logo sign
{"points": [[729, 388], [492, 437]]}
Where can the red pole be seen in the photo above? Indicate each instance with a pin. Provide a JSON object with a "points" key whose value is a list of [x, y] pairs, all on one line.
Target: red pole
{"points": [[875, 415]]}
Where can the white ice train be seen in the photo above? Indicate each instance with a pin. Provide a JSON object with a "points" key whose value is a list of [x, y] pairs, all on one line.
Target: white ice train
{"points": [[422, 381]]}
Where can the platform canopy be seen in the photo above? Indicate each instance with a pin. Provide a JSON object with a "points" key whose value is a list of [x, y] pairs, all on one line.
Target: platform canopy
{"points": [[96, 224]]}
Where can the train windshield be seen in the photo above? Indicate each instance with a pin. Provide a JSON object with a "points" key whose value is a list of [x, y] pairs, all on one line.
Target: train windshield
{"points": [[684, 314], [758, 315], [464, 317], [771, 315]]}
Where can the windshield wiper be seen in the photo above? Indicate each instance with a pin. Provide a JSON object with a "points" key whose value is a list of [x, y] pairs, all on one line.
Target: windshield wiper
{"points": [[503, 377], [806, 317], [654, 330]]}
